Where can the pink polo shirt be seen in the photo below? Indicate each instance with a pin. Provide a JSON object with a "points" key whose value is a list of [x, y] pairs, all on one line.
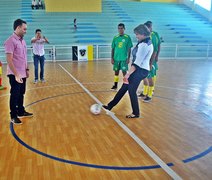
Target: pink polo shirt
{"points": [[17, 46]]}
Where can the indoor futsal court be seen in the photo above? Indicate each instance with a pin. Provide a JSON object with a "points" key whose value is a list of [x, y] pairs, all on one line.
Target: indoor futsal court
{"points": [[172, 139], [64, 140]]}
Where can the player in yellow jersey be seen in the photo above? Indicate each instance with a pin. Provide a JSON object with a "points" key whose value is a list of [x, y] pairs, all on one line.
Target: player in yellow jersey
{"points": [[120, 55]]}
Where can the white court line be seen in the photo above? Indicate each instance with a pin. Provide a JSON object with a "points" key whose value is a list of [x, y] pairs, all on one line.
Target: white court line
{"points": [[166, 87], [165, 167], [41, 87]]}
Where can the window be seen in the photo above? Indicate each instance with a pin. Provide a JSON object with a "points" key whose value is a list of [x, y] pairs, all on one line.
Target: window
{"points": [[204, 3]]}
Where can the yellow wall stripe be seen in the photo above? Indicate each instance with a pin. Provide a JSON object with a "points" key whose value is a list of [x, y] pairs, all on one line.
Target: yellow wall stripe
{"points": [[73, 5]]}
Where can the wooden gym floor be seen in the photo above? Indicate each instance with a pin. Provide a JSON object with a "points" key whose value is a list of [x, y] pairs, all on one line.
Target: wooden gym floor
{"points": [[65, 141]]}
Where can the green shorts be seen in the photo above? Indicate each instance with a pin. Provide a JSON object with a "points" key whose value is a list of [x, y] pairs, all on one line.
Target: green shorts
{"points": [[151, 73], [120, 65]]}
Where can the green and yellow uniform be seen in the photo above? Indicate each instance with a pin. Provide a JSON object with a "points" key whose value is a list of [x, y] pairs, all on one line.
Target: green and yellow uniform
{"points": [[155, 62], [155, 41], [148, 90], [121, 45]]}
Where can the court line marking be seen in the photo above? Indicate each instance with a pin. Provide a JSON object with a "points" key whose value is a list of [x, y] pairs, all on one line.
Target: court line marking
{"points": [[127, 168], [198, 156], [163, 165], [92, 83], [188, 160]]}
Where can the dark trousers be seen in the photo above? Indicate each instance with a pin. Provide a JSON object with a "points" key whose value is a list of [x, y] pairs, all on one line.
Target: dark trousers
{"points": [[17, 92], [39, 59], [40, 6], [134, 80], [34, 6]]}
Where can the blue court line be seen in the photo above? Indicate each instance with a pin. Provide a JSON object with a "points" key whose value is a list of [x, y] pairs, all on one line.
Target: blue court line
{"points": [[100, 166], [204, 153], [75, 162]]}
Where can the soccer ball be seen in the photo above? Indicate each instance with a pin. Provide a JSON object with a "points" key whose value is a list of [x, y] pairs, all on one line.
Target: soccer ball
{"points": [[95, 109]]}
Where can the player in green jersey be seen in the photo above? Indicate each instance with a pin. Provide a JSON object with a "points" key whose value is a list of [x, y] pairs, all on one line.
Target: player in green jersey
{"points": [[150, 80], [120, 55]]}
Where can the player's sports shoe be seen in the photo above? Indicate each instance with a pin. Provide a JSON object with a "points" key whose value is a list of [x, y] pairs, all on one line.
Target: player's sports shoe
{"points": [[141, 95], [25, 114], [43, 80], [35, 81], [106, 107], [114, 88], [16, 120], [132, 116], [147, 99]]}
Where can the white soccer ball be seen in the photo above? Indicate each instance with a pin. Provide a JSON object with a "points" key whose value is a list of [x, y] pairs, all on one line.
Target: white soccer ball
{"points": [[96, 109]]}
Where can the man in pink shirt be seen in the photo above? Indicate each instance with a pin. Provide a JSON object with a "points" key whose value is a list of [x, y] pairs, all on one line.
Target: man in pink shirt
{"points": [[17, 70]]}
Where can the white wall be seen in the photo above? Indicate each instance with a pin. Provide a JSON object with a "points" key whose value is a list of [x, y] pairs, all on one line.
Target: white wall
{"points": [[197, 8]]}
